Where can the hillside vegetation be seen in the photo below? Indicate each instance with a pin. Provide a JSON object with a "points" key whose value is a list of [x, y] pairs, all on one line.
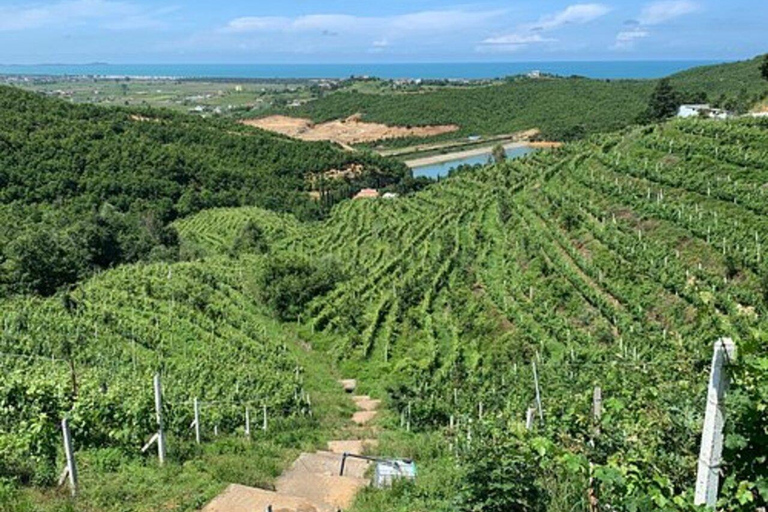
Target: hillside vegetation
{"points": [[562, 108], [616, 262], [90, 356], [84, 188]]}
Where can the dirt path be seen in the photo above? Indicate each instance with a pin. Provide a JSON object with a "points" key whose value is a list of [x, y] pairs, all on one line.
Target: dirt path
{"points": [[312, 483]]}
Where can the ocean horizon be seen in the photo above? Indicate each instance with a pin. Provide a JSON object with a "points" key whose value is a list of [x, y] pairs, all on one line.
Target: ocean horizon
{"points": [[429, 71]]}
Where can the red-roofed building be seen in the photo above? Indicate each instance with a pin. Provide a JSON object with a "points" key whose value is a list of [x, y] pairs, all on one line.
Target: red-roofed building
{"points": [[367, 193]]}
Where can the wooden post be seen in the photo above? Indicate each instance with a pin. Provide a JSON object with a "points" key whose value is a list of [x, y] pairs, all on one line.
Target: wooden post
{"points": [[197, 421], [538, 391], [708, 477], [530, 414], [70, 454], [264, 419], [159, 413]]}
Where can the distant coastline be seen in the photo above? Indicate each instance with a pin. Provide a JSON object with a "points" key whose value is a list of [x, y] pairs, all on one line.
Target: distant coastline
{"points": [[432, 71]]}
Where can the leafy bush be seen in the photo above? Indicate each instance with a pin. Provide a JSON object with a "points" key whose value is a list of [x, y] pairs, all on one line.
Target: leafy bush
{"points": [[288, 283]]}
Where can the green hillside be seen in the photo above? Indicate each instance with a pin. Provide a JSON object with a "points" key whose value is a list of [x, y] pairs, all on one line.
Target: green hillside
{"points": [[725, 83], [84, 188], [90, 356], [616, 262], [562, 108]]}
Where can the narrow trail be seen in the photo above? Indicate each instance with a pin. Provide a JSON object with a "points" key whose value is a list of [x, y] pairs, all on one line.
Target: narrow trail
{"points": [[312, 483]]}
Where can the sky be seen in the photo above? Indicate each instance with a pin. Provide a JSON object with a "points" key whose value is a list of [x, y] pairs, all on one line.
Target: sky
{"points": [[367, 31]]}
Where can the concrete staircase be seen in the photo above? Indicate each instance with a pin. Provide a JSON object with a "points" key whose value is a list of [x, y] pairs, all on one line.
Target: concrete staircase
{"points": [[312, 483]]}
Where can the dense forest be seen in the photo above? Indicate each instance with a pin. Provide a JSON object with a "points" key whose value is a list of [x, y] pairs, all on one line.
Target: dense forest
{"points": [[84, 188], [563, 108]]}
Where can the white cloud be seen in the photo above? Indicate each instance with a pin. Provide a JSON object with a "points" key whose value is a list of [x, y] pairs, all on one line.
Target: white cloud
{"points": [[661, 12], [518, 39], [576, 14], [626, 39], [425, 21], [106, 14], [530, 33], [653, 14]]}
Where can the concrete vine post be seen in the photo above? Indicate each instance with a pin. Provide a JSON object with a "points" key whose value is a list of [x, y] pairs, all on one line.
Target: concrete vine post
{"points": [[71, 468], [530, 415], [597, 407], [159, 413], [708, 477], [538, 391], [197, 421]]}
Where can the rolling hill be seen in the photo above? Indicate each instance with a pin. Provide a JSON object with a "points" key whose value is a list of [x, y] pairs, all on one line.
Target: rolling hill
{"points": [[85, 188], [616, 262], [563, 108]]}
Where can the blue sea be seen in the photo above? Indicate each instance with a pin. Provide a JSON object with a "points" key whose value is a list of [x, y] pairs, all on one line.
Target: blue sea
{"points": [[602, 69]]}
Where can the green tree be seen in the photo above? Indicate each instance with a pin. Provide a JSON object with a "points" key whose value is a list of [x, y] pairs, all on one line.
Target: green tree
{"points": [[250, 239], [664, 101], [499, 154], [764, 68], [287, 284]]}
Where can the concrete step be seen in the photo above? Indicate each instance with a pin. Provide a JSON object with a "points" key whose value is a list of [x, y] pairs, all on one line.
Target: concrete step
{"points": [[337, 492], [356, 446], [240, 498], [328, 464]]}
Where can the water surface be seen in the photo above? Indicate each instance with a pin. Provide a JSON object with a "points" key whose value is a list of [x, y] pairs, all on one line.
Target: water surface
{"points": [[456, 70], [441, 170]]}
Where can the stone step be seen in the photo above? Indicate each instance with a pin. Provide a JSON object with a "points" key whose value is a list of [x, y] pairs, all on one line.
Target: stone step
{"points": [[366, 403], [337, 492], [328, 464], [240, 498], [364, 417], [356, 446], [349, 385]]}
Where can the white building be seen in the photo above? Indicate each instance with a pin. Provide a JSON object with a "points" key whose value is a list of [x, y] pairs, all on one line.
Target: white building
{"points": [[701, 111]]}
